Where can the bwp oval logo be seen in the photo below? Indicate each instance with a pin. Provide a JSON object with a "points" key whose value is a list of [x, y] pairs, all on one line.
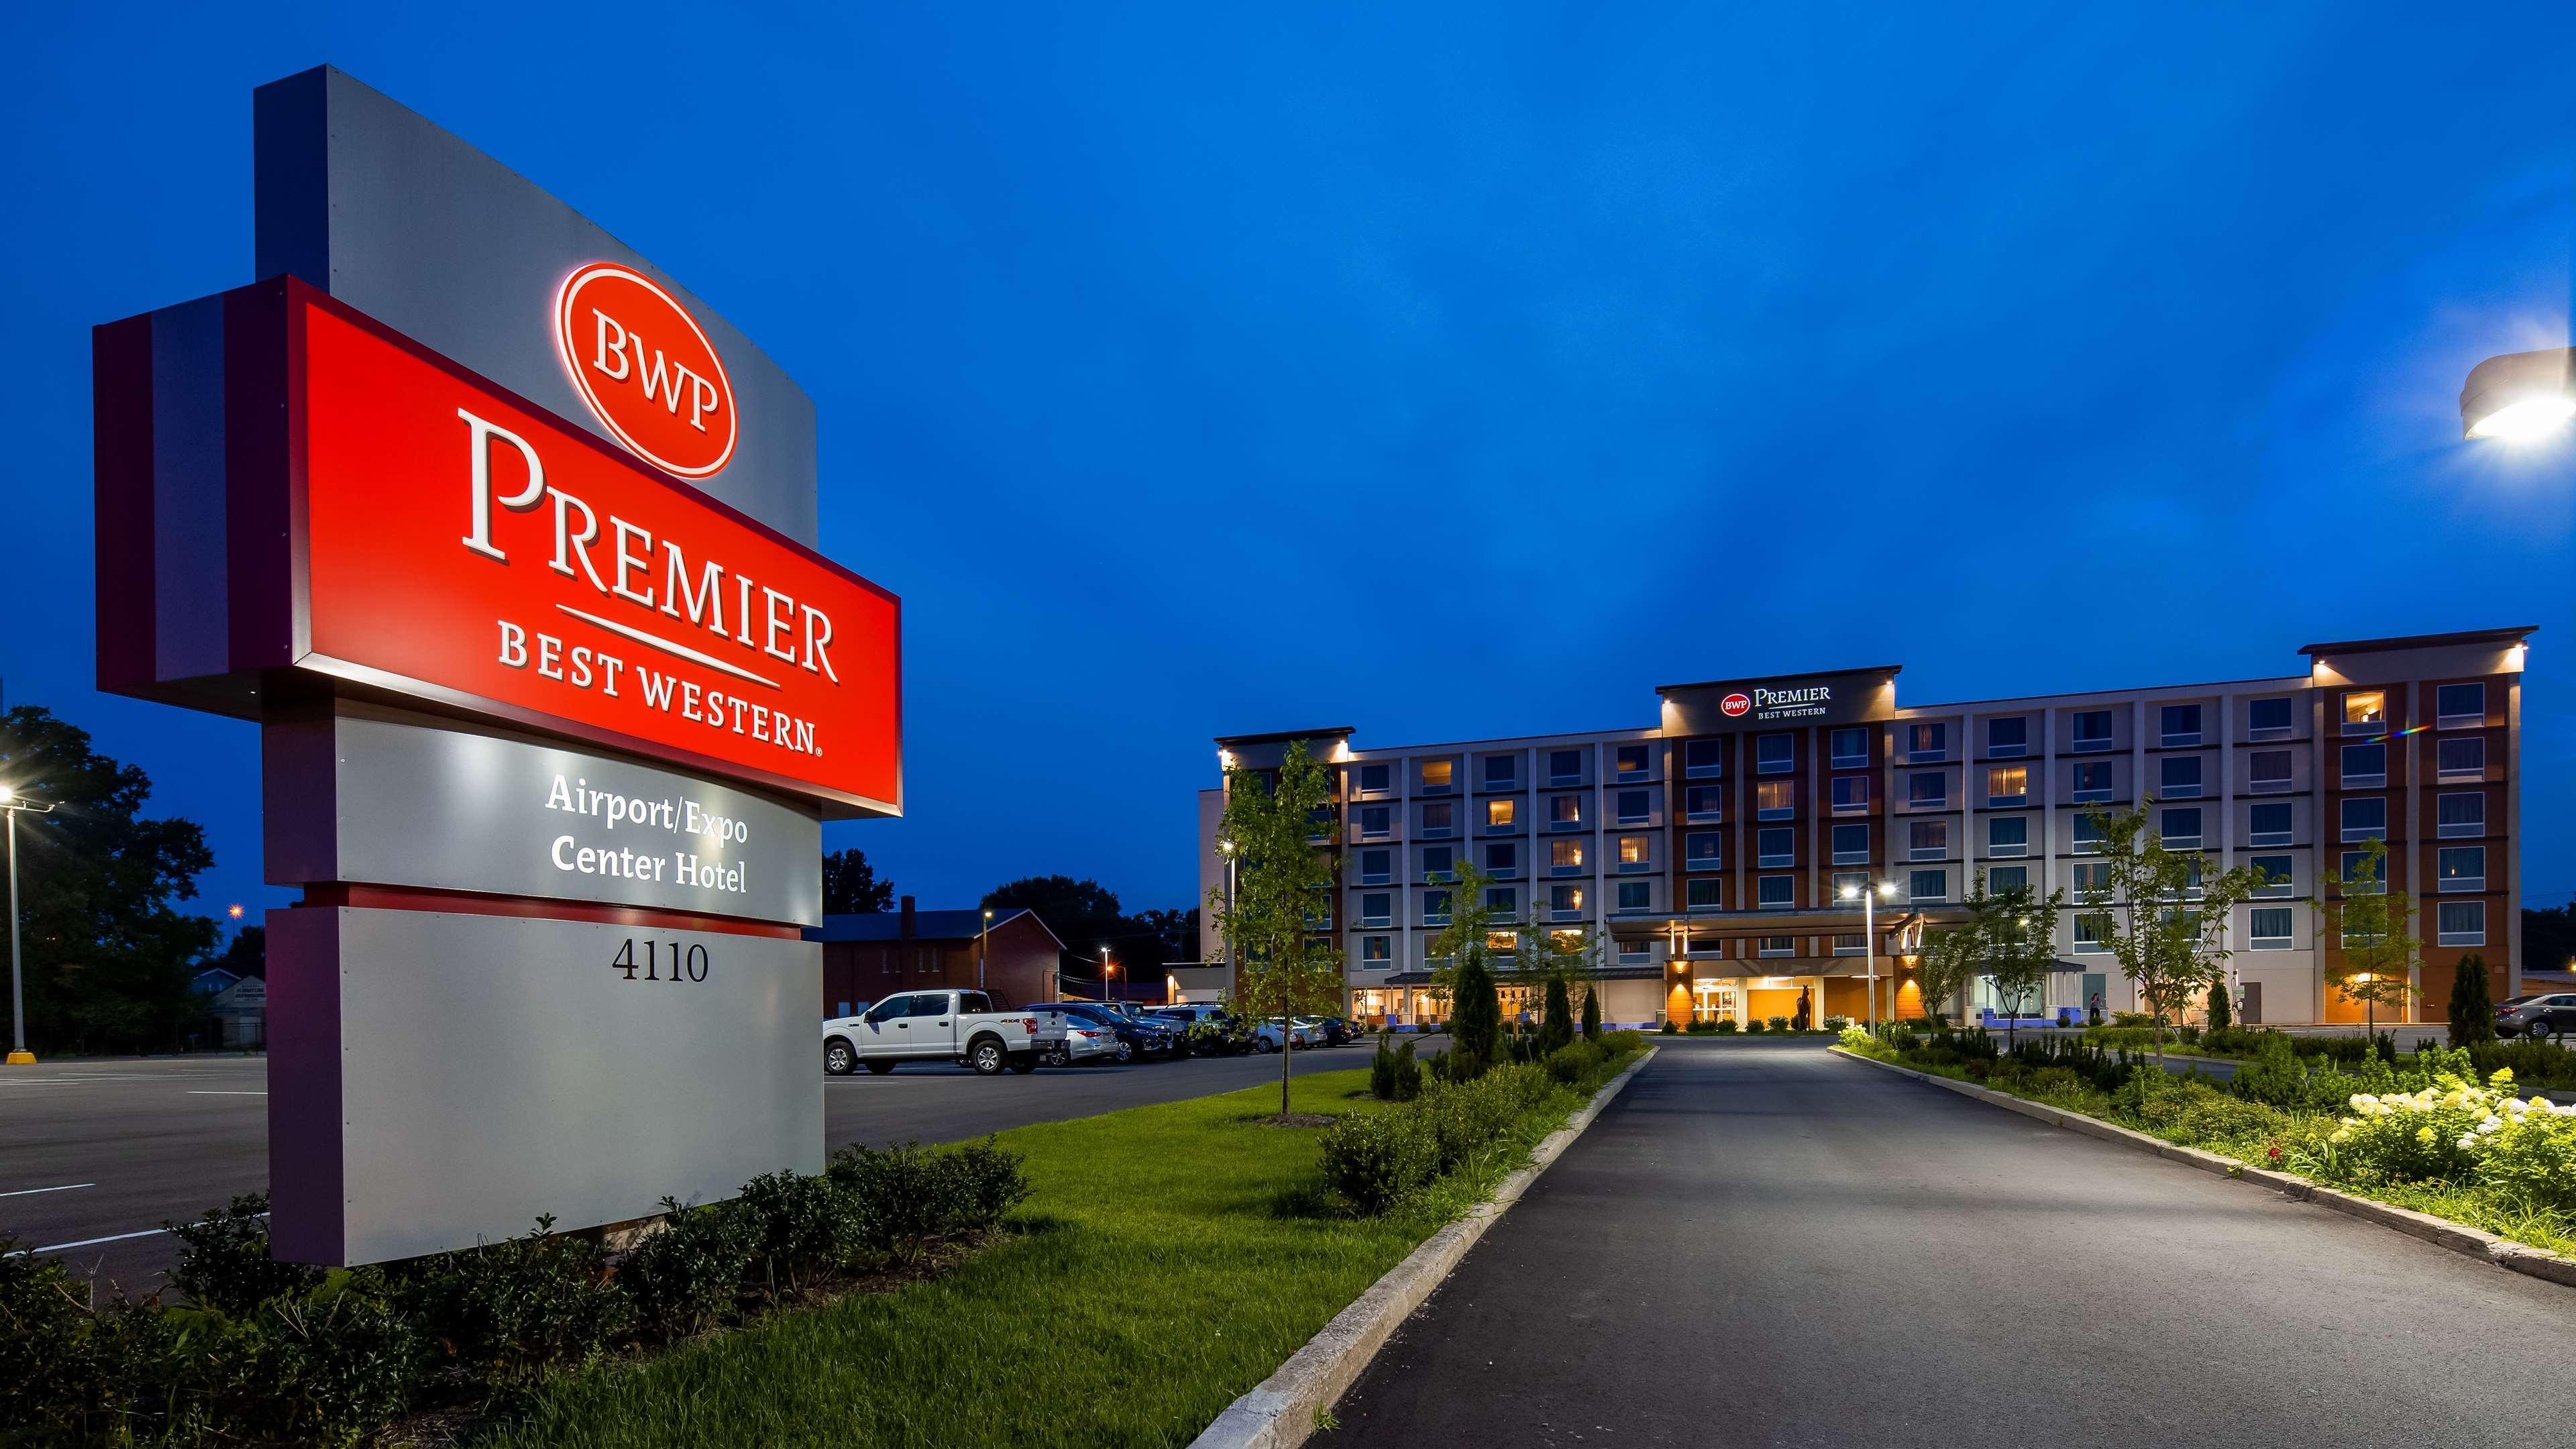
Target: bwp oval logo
{"points": [[652, 378], [1735, 704]]}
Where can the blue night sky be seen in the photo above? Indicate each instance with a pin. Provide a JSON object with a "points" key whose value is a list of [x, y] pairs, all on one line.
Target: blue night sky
{"points": [[1189, 373]]}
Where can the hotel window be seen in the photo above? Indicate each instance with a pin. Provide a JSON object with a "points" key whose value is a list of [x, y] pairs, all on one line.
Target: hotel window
{"points": [[1502, 943], [1564, 855], [1927, 839], [2090, 928], [2267, 771], [1704, 759], [1502, 771], [1855, 880], [2092, 877], [1502, 858], [2462, 814], [1564, 812], [2092, 781], [1850, 943], [2180, 828], [1928, 789], [1376, 822], [2360, 877], [2365, 766], [2088, 836], [1779, 892], [2463, 867], [1777, 846], [2269, 824], [1636, 895], [2267, 719], [2007, 878], [1377, 867], [2365, 711], [1636, 951], [2461, 759], [1851, 845], [1436, 776], [2006, 738], [1635, 853], [2092, 729], [1705, 802], [1499, 814], [2272, 927], [1849, 747], [2008, 835], [1775, 800], [1565, 767], [1927, 885], [1565, 900], [2179, 776], [1503, 901], [2181, 724], [1435, 908], [1706, 895], [1376, 908], [1775, 945], [2191, 882], [2459, 706], [1927, 741], [1374, 778], [2278, 874], [1377, 953], [2462, 923], [1774, 754], [1635, 806], [1439, 862], [2366, 818], [1631, 759], [1438, 818], [1851, 792], [2007, 785], [1704, 849]]}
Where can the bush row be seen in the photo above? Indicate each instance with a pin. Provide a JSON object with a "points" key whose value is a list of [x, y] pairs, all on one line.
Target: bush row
{"points": [[1376, 1159], [270, 1352]]}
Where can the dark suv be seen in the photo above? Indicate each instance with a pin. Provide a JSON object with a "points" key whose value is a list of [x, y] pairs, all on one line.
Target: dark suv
{"points": [[2537, 1016]]}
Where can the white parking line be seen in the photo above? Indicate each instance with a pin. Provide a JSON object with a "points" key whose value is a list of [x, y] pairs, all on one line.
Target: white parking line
{"points": [[196, 1092], [66, 1187], [58, 1081], [90, 1242]]}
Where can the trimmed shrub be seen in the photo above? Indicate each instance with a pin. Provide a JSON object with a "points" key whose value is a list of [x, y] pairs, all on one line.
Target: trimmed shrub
{"points": [[224, 1261], [49, 1346], [1394, 1076], [2222, 1013], [687, 1277], [1556, 1019], [1477, 1021], [1727, 1027], [1670, 1028], [1754, 1024], [515, 1312], [1569, 1064], [2472, 1008], [1703, 1028], [1377, 1159], [1779, 1023], [1620, 1043], [1591, 1013]]}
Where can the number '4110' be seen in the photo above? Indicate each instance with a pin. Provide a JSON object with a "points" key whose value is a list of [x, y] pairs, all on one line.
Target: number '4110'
{"points": [[689, 964]]}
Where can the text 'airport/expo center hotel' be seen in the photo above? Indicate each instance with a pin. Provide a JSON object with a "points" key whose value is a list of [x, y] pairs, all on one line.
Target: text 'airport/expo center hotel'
{"points": [[1712, 847]]}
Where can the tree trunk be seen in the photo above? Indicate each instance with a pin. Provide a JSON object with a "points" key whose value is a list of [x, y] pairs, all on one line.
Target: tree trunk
{"points": [[1287, 1049]]}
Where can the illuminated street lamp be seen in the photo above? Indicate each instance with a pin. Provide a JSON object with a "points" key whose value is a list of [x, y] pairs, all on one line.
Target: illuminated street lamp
{"points": [[1106, 971], [983, 947], [2520, 396], [1868, 899], [11, 803]]}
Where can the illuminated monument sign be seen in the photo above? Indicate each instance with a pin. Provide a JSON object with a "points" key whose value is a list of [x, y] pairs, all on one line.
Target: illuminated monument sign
{"points": [[507, 543]]}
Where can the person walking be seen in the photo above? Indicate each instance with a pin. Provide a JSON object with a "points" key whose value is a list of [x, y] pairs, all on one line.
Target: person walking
{"points": [[2093, 1008]]}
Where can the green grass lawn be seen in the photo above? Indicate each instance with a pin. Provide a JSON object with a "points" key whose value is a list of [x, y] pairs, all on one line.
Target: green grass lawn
{"points": [[1170, 1258]]}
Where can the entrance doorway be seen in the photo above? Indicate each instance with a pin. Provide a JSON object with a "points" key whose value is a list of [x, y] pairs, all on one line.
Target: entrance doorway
{"points": [[2251, 1013], [1716, 1001]]}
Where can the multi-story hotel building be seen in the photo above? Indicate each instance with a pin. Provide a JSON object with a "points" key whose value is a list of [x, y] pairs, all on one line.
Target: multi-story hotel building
{"points": [[1710, 849]]}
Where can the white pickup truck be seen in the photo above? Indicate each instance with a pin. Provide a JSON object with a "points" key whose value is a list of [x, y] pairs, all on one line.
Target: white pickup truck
{"points": [[932, 1026]]}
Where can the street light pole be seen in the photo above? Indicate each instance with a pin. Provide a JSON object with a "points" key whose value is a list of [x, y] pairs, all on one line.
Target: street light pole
{"points": [[10, 804], [1105, 969], [1868, 896], [983, 948]]}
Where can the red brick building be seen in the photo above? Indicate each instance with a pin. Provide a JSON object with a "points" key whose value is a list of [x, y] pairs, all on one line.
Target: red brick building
{"points": [[869, 957]]}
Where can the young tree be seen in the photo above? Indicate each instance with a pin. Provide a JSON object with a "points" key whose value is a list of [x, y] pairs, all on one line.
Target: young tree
{"points": [[2163, 915], [2015, 930], [1591, 1012], [1951, 959], [1477, 1023], [1556, 1021], [1562, 960], [2376, 929], [851, 887], [1467, 938], [2222, 1014], [1283, 891], [2472, 1007]]}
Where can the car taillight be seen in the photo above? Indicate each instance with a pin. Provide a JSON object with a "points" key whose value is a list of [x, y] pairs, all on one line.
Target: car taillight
{"points": [[1031, 1023]]}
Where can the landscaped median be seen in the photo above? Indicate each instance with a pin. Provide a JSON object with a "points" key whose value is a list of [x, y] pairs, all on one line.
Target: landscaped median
{"points": [[2420, 1143], [1163, 1261]]}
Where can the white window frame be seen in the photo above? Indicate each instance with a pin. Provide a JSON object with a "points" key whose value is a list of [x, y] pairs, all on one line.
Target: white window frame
{"points": [[2350, 833], [1377, 877], [1939, 749], [1716, 887], [2008, 849], [1691, 860], [1859, 783], [2289, 884], [1764, 858], [1789, 890], [1838, 759], [2444, 937], [1384, 915], [2271, 837], [1783, 766], [1621, 769], [2446, 884], [2083, 796], [1714, 770], [2284, 942], [2445, 772], [2353, 726], [1775, 812], [1648, 892], [1914, 881], [1913, 832], [2177, 739], [1851, 857], [2007, 802], [2367, 779], [1554, 778], [2181, 842], [2443, 721], [2271, 784], [2167, 789], [1555, 866], [2289, 707], [1940, 801], [1704, 817], [2082, 744], [2017, 751], [1775, 946], [1995, 881], [1619, 808], [2455, 830]]}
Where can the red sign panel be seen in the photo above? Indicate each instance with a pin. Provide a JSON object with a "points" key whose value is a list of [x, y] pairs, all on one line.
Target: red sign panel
{"points": [[468, 548], [646, 369], [1735, 704]]}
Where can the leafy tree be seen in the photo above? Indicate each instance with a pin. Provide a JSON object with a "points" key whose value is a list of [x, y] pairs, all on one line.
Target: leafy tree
{"points": [[1476, 1026], [2162, 914], [1950, 960], [1169, 935], [2014, 932], [851, 887], [246, 954], [1467, 938], [1283, 890], [107, 959], [1083, 914], [2376, 928], [2472, 1008], [1561, 960], [2222, 1013]]}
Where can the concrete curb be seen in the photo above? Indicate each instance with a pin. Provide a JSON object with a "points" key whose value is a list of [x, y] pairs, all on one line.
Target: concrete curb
{"points": [[1279, 1413], [2459, 1238]]}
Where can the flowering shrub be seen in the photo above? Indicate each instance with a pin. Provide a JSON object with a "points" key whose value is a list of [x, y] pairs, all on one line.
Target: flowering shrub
{"points": [[2455, 1130]]}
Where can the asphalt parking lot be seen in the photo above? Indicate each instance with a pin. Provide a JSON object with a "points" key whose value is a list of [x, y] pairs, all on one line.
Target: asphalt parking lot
{"points": [[95, 1155]]}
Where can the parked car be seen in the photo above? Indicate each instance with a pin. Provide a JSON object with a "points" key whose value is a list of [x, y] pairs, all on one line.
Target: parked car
{"points": [[1067, 1040], [922, 1026], [1331, 1030], [1208, 1031], [2537, 1016], [1267, 1035], [1132, 1038]]}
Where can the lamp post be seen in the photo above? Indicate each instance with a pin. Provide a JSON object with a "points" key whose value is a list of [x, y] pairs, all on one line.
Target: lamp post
{"points": [[1105, 970], [1868, 899], [11, 803], [2520, 396], [983, 948]]}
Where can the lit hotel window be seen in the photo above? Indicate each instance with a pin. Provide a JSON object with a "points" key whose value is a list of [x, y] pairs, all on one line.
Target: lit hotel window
{"points": [[1565, 854], [1634, 852], [2007, 785], [1566, 810], [1498, 813], [1436, 774], [1565, 900], [1501, 943], [1775, 799], [2364, 711]]}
